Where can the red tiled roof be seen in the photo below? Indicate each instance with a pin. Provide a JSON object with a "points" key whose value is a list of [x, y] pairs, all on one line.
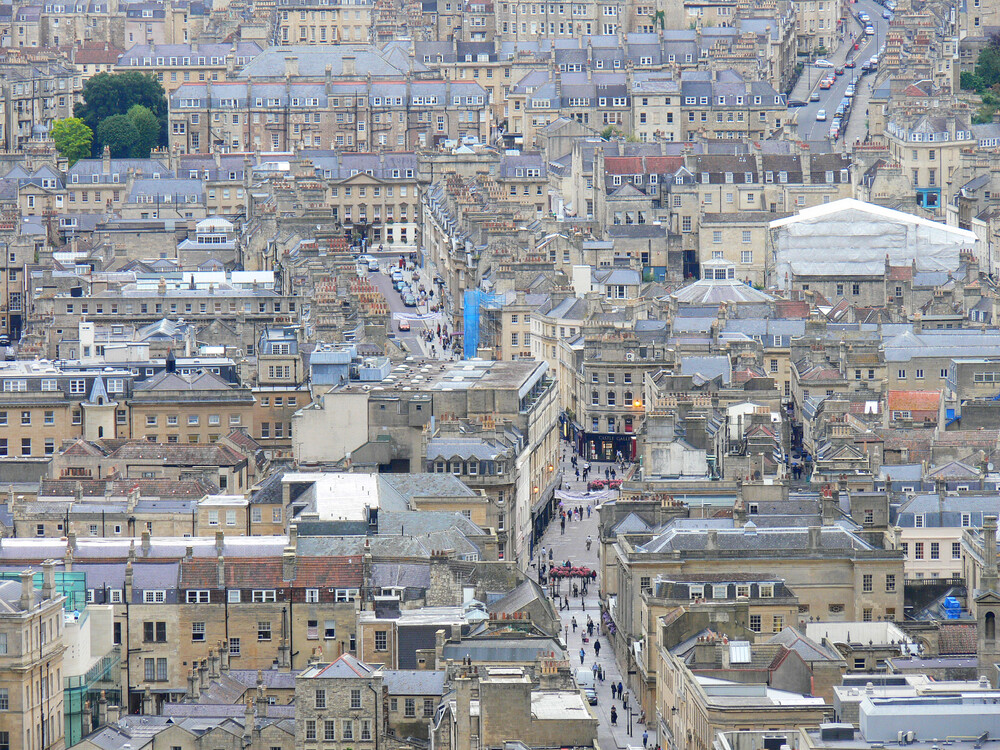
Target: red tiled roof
{"points": [[900, 273], [789, 308], [243, 440], [956, 639], [250, 573], [914, 400], [83, 448], [642, 164]]}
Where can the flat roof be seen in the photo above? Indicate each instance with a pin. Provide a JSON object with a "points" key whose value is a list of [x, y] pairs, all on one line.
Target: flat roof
{"points": [[339, 496], [556, 705]]}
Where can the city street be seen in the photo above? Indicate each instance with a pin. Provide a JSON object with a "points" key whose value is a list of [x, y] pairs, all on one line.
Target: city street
{"points": [[419, 317], [809, 129], [572, 546]]}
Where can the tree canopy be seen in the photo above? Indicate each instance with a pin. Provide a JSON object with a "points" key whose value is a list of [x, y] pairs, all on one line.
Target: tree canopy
{"points": [[107, 95], [73, 139], [119, 134], [147, 130]]}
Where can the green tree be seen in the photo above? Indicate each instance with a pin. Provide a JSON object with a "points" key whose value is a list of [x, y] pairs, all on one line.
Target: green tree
{"points": [[109, 94], [988, 65], [119, 134], [148, 129], [73, 138]]}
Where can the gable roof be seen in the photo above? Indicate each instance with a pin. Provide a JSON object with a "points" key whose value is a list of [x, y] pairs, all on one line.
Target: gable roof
{"points": [[914, 400], [266, 572]]}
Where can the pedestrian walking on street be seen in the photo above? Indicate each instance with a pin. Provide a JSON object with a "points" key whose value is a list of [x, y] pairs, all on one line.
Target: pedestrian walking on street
{"points": [[582, 654], [562, 525], [607, 473], [573, 623], [597, 649], [620, 689], [645, 737], [614, 717], [612, 473], [588, 511]]}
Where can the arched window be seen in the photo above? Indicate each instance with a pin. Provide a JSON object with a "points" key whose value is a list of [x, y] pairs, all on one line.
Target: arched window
{"points": [[991, 626], [100, 432]]}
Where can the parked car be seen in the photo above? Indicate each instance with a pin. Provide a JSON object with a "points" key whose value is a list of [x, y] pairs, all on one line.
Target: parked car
{"points": [[404, 325], [886, 15], [409, 300], [849, 92], [821, 63], [850, 64], [870, 30], [792, 103], [821, 115], [865, 18]]}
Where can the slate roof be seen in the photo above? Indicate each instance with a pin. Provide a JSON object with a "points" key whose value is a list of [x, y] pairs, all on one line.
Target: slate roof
{"points": [[175, 454], [414, 681], [419, 522], [313, 59], [954, 470], [631, 524], [517, 599], [203, 380], [500, 650], [408, 575], [808, 649], [346, 666], [764, 540], [173, 488]]}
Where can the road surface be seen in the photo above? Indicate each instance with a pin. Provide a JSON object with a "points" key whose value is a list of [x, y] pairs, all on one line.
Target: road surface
{"points": [[809, 129]]}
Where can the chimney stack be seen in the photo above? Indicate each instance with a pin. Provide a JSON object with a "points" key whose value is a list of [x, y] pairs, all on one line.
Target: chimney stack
{"points": [[49, 579], [27, 590], [114, 712], [193, 692], [102, 710], [814, 537], [988, 579], [248, 721], [213, 664]]}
